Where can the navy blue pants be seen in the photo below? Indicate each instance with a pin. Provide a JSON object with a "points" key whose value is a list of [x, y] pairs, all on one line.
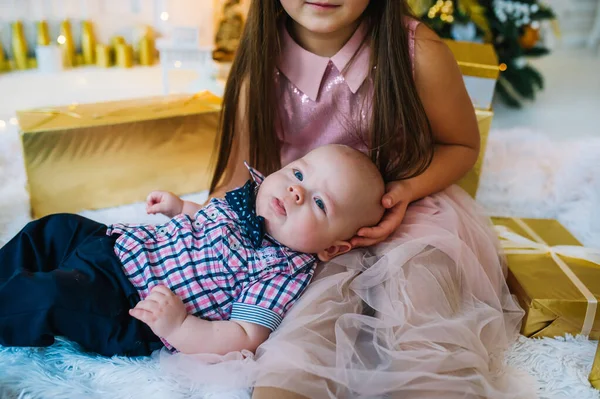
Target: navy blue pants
{"points": [[60, 277]]}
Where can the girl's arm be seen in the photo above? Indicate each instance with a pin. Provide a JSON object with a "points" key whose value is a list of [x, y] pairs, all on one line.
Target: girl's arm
{"points": [[454, 126], [450, 112]]}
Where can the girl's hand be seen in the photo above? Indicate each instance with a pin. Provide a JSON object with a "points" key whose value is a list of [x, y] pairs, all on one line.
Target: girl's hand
{"points": [[162, 311], [165, 203], [395, 200]]}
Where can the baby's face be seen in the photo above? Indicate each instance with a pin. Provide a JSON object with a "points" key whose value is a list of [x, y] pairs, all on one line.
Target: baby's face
{"points": [[316, 201]]}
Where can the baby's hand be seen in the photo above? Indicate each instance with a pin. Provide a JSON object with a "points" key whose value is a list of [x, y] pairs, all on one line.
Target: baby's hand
{"points": [[164, 202], [162, 311]]}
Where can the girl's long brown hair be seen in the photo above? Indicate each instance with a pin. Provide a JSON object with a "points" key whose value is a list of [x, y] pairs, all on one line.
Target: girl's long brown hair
{"points": [[400, 138]]}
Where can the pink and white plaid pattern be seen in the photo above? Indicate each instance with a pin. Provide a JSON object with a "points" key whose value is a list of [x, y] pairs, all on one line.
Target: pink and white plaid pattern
{"points": [[210, 263]]}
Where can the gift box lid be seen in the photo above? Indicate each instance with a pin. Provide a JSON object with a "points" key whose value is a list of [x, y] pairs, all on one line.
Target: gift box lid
{"points": [[475, 59], [115, 112]]}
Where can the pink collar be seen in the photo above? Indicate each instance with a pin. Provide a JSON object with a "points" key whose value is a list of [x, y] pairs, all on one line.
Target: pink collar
{"points": [[305, 69]]}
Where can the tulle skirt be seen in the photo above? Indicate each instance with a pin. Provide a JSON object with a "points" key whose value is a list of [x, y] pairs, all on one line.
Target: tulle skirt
{"points": [[425, 314]]}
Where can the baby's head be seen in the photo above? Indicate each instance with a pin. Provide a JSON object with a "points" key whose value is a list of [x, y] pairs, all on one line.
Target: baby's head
{"points": [[317, 203]]}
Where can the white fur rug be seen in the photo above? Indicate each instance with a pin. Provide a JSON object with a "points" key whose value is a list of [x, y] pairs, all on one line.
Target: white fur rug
{"points": [[525, 174]]}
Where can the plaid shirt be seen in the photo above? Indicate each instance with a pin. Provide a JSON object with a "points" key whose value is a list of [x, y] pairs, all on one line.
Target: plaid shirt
{"points": [[210, 263]]}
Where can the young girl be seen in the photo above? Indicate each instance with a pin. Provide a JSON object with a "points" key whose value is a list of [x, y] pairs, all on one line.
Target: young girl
{"points": [[426, 312]]}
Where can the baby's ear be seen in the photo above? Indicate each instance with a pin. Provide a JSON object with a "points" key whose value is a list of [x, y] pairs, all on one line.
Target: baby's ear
{"points": [[337, 248]]}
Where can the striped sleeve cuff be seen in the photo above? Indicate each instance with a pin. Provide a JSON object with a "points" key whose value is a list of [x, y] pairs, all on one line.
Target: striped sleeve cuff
{"points": [[255, 314]]}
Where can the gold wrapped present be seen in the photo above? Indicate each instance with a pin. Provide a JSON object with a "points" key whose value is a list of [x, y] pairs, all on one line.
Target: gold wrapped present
{"points": [[595, 373], [555, 278], [107, 154], [470, 182], [478, 64]]}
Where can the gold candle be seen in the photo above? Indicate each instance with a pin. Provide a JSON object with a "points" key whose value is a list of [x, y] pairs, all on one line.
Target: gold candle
{"points": [[147, 51], [66, 41], [117, 40], [19, 45], [43, 33], [124, 55], [3, 64], [103, 56], [88, 43]]}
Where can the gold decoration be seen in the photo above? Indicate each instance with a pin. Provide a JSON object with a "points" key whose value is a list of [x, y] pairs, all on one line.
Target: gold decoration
{"points": [[88, 43], [419, 7], [75, 155], [443, 9], [147, 48], [66, 42], [3, 63], [529, 38], [19, 46], [103, 57], [229, 31], [124, 55], [117, 40], [43, 33], [476, 13]]}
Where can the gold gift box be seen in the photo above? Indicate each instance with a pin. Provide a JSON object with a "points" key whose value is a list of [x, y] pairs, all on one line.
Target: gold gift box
{"points": [[594, 377], [93, 156], [557, 292], [475, 59], [470, 182], [478, 64]]}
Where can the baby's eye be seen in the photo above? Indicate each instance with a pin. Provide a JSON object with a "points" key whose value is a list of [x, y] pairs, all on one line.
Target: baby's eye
{"points": [[320, 204], [298, 175]]}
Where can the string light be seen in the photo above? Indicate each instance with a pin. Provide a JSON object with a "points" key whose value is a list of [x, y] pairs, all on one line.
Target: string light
{"points": [[13, 121], [177, 64], [443, 9], [502, 67], [164, 16], [61, 39], [2, 124]]}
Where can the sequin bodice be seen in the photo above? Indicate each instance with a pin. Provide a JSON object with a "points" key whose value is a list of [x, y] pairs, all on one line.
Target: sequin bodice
{"points": [[337, 113], [337, 117]]}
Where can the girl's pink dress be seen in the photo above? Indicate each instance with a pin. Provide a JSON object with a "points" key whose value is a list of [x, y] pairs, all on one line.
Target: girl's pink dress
{"points": [[425, 314]]}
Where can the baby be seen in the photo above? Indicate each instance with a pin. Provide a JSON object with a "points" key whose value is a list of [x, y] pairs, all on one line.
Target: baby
{"points": [[213, 280]]}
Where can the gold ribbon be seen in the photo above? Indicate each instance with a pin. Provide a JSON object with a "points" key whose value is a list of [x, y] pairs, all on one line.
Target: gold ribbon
{"points": [[516, 244], [478, 65]]}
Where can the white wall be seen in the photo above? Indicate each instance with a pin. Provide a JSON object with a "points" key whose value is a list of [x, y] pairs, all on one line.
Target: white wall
{"points": [[576, 19], [110, 17]]}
